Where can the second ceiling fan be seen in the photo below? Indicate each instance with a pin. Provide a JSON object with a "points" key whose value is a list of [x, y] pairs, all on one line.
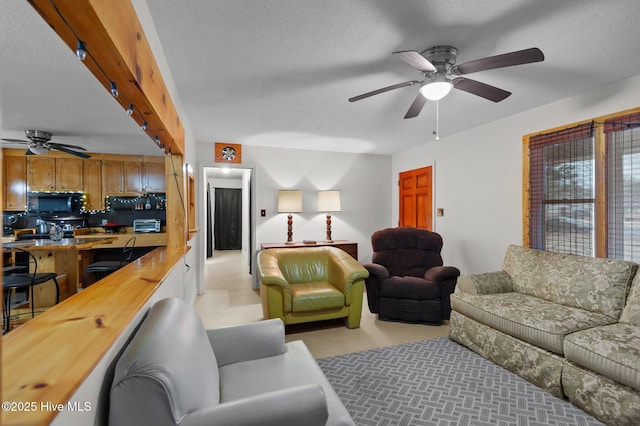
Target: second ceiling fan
{"points": [[441, 74]]}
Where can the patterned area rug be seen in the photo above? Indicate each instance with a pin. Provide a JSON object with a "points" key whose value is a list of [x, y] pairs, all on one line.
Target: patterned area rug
{"points": [[439, 382]]}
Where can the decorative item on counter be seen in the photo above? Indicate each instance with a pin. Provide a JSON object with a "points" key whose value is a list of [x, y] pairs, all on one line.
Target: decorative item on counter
{"points": [[112, 227], [55, 233]]}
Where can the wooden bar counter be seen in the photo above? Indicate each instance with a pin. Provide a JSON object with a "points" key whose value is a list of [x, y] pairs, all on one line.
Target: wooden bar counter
{"points": [[68, 256], [48, 358]]}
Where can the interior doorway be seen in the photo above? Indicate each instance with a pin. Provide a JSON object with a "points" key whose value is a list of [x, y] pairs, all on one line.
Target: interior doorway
{"points": [[416, 198], [227, 219]]}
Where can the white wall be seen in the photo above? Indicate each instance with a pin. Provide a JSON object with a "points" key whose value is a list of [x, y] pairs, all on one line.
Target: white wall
{"points": [[364, 181], [478, 174]]}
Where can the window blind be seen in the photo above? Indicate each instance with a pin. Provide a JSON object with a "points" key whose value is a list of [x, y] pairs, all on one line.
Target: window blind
{"points": [[562, 194], [622, 138]]}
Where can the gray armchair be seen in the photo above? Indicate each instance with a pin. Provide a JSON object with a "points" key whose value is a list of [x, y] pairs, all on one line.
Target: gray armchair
{"points": [[174, 372]]}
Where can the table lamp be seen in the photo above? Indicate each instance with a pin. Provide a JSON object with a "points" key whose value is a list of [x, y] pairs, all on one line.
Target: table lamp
{"points": [[289, 202], [329, 201]]}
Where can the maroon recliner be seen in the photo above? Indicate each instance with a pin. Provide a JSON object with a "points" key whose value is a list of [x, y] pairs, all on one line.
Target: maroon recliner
{"points": [[407, 281]]}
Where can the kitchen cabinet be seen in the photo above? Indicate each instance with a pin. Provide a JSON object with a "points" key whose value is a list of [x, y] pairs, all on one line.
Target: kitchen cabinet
{"points": [[112, 177], [15, 181], [54, 174], [92, 179], [122, 177], [153, 179], [132, 177], [41, 173], [69, 174]]}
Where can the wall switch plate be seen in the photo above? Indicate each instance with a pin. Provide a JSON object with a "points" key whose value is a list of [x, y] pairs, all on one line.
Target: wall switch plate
{"points": [[263, 212], [440, 212]]}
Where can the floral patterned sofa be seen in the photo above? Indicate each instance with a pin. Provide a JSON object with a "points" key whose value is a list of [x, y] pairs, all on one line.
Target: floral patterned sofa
{"points": [[569, 324]]}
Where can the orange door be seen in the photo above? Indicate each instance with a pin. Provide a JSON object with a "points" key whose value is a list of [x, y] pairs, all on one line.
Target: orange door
{"points": [[415, 198]]}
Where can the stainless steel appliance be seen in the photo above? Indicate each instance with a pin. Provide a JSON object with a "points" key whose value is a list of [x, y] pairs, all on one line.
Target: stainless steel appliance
{"points": [[54, 203], [146, 225]]}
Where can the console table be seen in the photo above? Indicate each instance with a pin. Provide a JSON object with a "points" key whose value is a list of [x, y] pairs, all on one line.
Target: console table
{"points": [[348, 246]]}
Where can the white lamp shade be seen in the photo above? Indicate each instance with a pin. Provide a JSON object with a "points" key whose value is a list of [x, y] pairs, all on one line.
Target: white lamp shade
{"points": [[289, 201], [329, 201], [436, 90]]}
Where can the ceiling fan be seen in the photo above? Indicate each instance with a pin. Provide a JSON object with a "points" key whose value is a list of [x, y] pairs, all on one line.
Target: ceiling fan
{"points": [[40, 143], [438, 67]]}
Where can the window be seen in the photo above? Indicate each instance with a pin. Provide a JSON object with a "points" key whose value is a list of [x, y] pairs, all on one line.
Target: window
{"points": [[622, 136], [582, 188], [562, 191]]}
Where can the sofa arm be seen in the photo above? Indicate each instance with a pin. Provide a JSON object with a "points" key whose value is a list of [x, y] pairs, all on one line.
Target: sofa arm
{"points": [[269, 270], [300, 405], [485, 283], [248, 341], [377, 271], [343, 271], [441, 273]]}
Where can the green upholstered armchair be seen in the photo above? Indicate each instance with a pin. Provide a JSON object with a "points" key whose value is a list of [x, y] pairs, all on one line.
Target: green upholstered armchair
{"points": [[311, 284]]}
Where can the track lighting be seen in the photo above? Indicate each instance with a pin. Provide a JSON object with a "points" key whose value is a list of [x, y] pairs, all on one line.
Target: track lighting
{"points": [[130, 110], [144, 127], [157, 139], [114, 89], [81, 51]]}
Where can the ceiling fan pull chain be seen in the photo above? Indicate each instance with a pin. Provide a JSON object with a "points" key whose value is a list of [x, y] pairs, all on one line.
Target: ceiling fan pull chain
{"points": [[437, 130]]}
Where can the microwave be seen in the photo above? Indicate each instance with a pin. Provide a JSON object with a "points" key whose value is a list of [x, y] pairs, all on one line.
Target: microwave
{"points": [[54, 203], [146, 225]]}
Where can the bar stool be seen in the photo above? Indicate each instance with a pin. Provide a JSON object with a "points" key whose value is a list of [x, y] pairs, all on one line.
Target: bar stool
{"points": [[106, 267], [24, 281]]}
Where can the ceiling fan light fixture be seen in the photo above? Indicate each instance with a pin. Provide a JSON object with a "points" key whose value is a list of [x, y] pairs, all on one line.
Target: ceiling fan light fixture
{"points": [[436, 90], [38, 149]]}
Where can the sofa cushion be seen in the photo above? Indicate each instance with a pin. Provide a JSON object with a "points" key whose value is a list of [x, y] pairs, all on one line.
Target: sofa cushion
{"points": [[295, 367], [531, 319], [593, 284], [315, 296], [409, 288], [612, 350], [631, 312], [167, 370]]}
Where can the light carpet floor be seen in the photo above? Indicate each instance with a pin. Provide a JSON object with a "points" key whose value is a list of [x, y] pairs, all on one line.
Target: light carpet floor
{"points": [[228, 299]]}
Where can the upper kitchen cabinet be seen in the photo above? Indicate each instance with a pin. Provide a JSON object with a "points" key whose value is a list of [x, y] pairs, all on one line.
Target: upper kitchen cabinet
{"points": [[46, 173], [92, 174], [153, 179], [41, 173], [15, 179], [69, 174], [132, 175]]}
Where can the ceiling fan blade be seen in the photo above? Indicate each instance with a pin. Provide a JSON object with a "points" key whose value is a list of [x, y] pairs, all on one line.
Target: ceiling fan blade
{"points": [[416, 106], [519, 57], [59, 147], [483, 90], [415, 59], [16, 141], [55, 144], [384, 89]]}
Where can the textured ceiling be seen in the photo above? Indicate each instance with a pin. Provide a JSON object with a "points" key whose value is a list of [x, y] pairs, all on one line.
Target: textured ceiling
{"points": [[279, 73]]}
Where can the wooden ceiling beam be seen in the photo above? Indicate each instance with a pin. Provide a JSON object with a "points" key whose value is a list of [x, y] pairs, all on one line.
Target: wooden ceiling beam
{"points": [[118, 51]]}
